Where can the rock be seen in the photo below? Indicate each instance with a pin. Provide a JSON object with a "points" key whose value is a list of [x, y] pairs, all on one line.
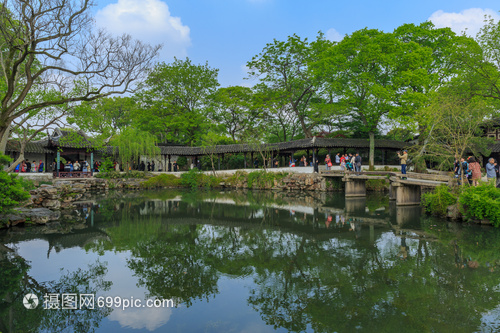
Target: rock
{"points": [[15, 219], [48, 191], [38, 215], [53, 204], [453, 212]]}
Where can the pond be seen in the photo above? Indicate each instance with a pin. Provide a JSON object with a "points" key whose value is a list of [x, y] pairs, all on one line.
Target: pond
{"points": [[178, 261]]}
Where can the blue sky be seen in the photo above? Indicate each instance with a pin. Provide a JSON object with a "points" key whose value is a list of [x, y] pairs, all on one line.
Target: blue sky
{"points": [[227, 33]]}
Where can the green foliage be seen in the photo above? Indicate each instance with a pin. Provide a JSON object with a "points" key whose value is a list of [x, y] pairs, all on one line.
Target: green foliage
{"points": [[377, 185], [132, 143], [107, 165], [116, 175], [175, 96], [26, 183], [262, 179], [105, 117], [12, 191], [233, 108], [335, 184], [195, 178], [481, 202], [182, 161], [164, 180], [437, 201]]}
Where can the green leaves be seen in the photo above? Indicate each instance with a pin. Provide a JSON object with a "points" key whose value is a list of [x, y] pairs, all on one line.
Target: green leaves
{"points": [[133, 143], [173, 101], [11, 188]]}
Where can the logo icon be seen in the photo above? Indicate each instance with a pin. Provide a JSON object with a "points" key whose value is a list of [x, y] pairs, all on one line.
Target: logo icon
{"points": [[30, 301]]}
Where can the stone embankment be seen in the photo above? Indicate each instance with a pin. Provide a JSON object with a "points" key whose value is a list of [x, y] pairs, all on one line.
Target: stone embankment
{"points": [[52, 202]]}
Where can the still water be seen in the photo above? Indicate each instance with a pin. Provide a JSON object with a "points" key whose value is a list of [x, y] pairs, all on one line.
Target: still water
{"points": [[250, 262]]}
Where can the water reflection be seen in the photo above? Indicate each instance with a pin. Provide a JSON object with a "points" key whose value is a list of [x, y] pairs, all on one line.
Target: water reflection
{"points": [[318, 263]]}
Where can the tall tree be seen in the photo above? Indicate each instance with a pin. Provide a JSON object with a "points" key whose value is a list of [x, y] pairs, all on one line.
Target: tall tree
{"points": [[280, 123], [283, 67], [233, 107], [482, 61], [455, 122], [369, 73], [51, 45], [104, 117], [173, 100]]}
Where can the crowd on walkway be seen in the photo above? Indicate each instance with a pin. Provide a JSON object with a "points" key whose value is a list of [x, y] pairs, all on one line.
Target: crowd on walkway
{"points": [[469, 171], [27, 166]]}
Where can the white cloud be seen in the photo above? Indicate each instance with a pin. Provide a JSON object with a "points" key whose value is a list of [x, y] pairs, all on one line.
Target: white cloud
{"points": [[149, 21], [469, 20], [141, 318], [333, 35]]}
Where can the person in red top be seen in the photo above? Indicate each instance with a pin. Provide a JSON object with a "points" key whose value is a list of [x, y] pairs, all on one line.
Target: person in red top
{"points": [[328, 162], [475, 169]]}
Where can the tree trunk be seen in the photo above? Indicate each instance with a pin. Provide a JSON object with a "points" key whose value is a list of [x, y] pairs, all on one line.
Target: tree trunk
{"points": [[16, 162], [372, 151], [4, 137]]}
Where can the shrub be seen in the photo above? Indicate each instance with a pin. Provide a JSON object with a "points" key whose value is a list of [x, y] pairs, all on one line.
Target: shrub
{"points": [[115, 174], [481, 202], [12, 191], [192, 178], [437, 201], [262, 179], [377, 185], [182, 161], [195, 178], [162, 181]]}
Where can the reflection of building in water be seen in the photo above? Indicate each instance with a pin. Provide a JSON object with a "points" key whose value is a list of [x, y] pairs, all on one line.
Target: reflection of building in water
{"points": [[156, 206], [59, 241]]}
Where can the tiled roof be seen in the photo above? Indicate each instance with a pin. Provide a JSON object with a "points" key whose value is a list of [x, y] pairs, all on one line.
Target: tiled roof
{"points": [[285, 146], [31, 147], [495, 147], [70, 139]]}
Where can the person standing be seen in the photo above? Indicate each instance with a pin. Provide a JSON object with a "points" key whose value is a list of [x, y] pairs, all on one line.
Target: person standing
{"points": [[497, 170], [337, 158], [175, 166], [28, 166], [403, 158], [457, 169], [153, 166], [33, 166], [475, 169], [316, 165], [328, 162], [491, 174], [357, 161]]}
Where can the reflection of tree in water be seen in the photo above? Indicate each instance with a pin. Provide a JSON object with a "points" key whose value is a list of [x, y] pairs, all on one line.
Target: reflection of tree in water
{"points": [[15, 282], [177, 265], [336, 283]]}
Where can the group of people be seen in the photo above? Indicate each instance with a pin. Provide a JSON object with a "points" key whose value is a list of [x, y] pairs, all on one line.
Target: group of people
{"points": [[470, 170], [27, 166], [347, 162], [293, 162]]}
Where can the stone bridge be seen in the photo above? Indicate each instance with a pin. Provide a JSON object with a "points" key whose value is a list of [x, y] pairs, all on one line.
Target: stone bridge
{"points": [[404, 190]]}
